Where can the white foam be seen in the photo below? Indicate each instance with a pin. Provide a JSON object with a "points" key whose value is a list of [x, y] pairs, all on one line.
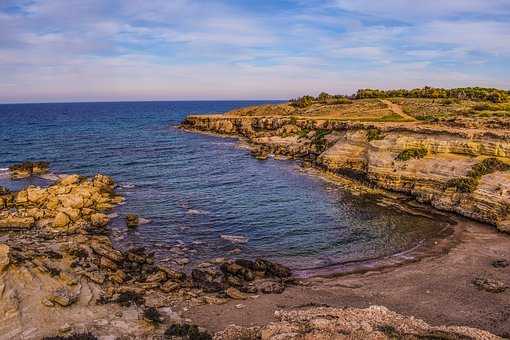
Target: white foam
{"points": [[235, 238], [197, 212]]}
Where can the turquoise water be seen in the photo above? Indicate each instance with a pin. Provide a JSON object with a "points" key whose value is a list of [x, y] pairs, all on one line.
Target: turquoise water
{"points": [[198, 190]]}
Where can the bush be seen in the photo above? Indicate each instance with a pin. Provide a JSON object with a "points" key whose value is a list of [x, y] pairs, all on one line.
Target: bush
{"points": [[462, 184], [186, 331], [374, 134], [470, 183], [303, 102], [408, 154], [487, 166]]}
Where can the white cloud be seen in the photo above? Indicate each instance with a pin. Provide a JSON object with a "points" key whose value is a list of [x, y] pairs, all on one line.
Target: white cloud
{"points": [[137, 49]]}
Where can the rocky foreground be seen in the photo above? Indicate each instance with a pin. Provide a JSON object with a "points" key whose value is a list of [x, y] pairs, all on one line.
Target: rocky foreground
{"points": [[453, 169], [60, 273], [61, 278]]}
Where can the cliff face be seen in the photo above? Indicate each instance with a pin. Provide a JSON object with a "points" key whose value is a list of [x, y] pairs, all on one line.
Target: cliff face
{"points": [[376, 152]]}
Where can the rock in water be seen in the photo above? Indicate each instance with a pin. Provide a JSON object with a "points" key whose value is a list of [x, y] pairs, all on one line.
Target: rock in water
{"points": [[132, 220], [27, 169]]}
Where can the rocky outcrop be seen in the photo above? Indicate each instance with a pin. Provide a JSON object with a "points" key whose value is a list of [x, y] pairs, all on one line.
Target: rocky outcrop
{"points": [[369, 152], [27, 169], [350, 323]]}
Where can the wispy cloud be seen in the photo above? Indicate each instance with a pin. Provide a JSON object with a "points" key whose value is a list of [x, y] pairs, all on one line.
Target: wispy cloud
{"points": [[136, 49]]}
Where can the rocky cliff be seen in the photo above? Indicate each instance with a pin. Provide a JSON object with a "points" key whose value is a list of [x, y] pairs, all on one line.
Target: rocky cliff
{"points": [[459, 170]]}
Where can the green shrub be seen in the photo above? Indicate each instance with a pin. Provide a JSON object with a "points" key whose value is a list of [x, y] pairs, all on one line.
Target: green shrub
{"points": [[462, 184], [470, 183], [374, 134], [410, 153], [302, 102], [487, 166]]}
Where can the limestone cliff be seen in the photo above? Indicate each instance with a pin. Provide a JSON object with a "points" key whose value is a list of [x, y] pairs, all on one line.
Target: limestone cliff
{"points": [[377, 153]]}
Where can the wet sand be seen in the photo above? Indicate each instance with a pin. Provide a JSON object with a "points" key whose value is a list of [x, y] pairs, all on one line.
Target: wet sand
{"points": [[437, 289]]}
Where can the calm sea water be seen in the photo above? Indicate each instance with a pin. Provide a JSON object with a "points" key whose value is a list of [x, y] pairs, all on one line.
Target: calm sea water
{"points": [[199, 190]]}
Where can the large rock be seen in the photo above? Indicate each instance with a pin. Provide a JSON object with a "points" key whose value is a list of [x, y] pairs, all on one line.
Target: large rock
{"points": [[4, 257], [374, 322], [63, 296], [71, 201], [99, 220], [70, 180], [210, 279], [21, 197], [61, 220], [106, 251], [15, 222], [27, 169], [36, 195]]}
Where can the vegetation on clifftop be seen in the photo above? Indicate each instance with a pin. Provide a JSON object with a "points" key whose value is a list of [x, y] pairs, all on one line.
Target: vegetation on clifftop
{"points": [[463, 93]]}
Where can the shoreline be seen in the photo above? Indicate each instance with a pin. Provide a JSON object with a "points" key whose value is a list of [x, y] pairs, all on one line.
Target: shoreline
{"points": [[432, 247], [417, 287]]}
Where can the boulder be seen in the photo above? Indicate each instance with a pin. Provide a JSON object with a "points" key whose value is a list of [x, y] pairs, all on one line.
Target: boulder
{"points": [[15, 222], [169, 286], [235, 294], [272, 268], [36, 195], [173, 274], [61, 220], [132, 220], [99, 220], [4, 257], [71, 201], [63, 296], [271, 287], [21, 197], [209, 279], [106, 251], [158, 276], [70, 180]]}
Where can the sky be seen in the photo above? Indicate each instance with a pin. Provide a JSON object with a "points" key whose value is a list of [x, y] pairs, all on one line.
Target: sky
{"points": [[104, 50]]}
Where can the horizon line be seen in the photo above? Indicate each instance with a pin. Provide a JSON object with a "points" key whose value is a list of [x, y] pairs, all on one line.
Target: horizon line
{"points": [[141, 101]]}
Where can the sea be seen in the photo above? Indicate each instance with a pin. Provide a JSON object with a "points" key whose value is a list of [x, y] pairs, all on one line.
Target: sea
{"points": [[200, 196]]}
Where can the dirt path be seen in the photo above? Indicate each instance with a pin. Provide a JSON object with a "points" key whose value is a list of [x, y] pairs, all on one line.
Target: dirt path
{"points": [[397, 109]]}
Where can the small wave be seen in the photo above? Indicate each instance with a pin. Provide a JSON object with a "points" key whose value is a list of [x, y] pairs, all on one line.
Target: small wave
{"points": [[196, 212], [127, 185], [235, 238], [4, 169], [113, 215], [50, 177], [144, 220]]}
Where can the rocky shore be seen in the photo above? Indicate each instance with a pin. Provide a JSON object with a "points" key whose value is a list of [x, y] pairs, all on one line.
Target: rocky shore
{"points": [[60, 274], [452, 169]]}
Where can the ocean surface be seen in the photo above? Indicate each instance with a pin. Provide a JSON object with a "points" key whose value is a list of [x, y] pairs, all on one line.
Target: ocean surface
{"points": [[205, 196]]}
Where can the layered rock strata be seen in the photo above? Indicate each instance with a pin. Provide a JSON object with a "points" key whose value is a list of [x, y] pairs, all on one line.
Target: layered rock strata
{"points": [[370, 152]]}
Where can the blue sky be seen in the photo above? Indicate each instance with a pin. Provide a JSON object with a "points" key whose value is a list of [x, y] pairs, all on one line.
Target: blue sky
{"points": [[74, 50]]}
